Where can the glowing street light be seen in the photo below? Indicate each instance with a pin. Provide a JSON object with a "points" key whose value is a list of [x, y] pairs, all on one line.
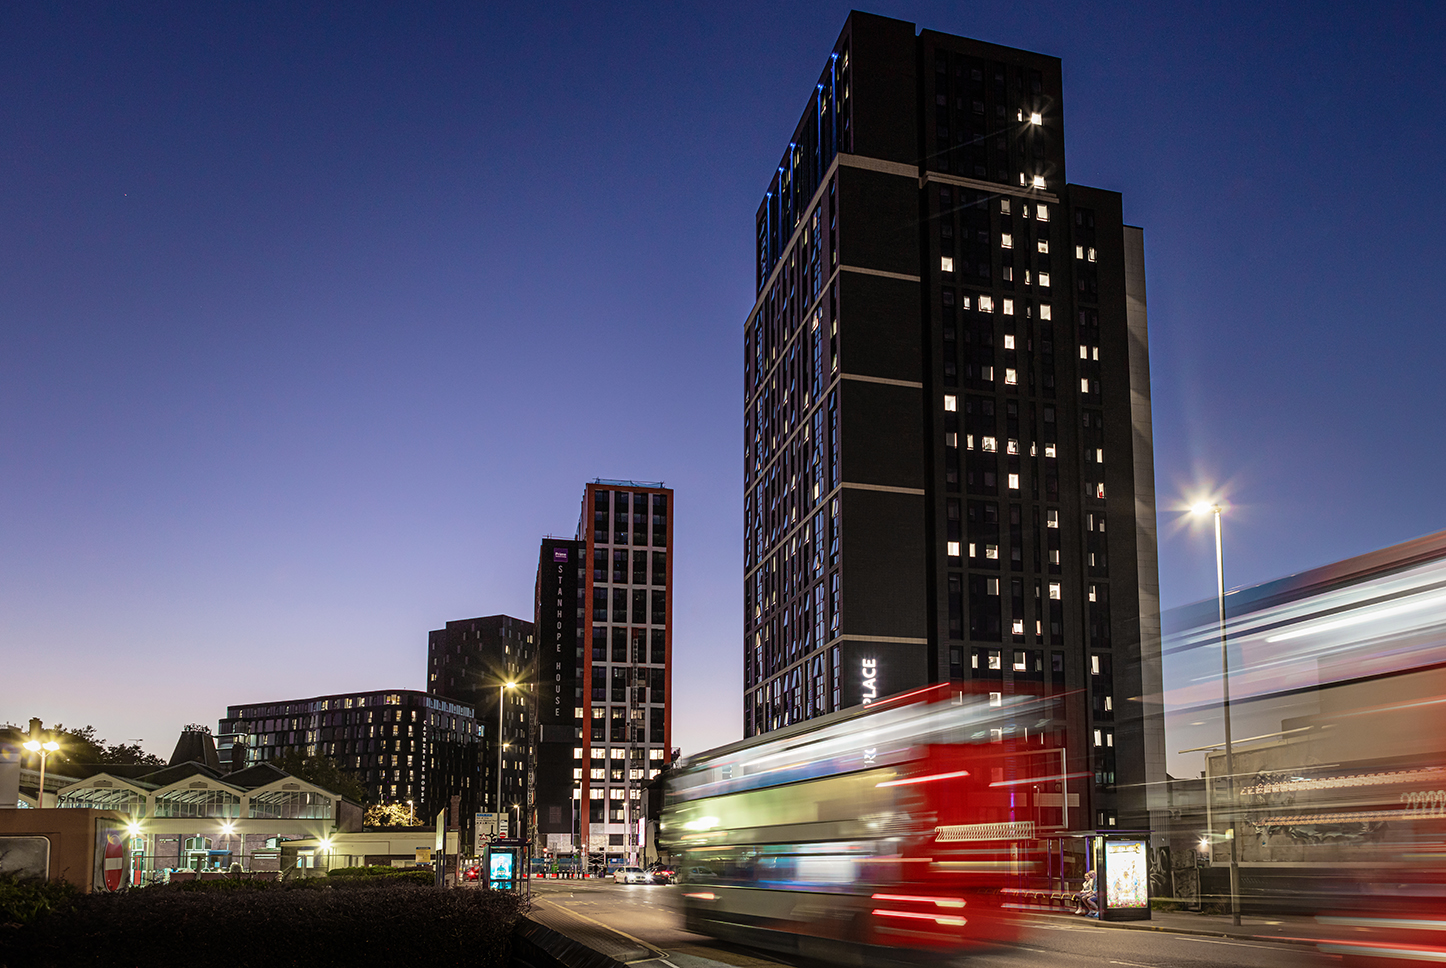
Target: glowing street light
{"points": [[501, 700], [1211, 508], [44, 749]]}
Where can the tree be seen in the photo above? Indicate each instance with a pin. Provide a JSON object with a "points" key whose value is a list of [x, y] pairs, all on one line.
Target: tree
{"points": [[391, 815], [323, 771], [82, 745]]}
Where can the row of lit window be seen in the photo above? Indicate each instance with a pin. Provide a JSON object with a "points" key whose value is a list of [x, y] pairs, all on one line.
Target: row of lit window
{"points": [[613, 753]]}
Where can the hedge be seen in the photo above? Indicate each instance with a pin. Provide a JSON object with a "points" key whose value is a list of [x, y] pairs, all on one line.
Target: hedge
{"points": [[240, 924]]}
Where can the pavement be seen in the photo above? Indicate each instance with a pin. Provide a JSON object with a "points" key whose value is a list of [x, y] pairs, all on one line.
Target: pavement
{"points": [[1279, 930]]}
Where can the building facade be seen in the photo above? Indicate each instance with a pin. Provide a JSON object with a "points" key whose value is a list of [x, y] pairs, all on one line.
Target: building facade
{"points": [[471, 661], [605, 605], [561, 667], [948, 464], [403, 745]]}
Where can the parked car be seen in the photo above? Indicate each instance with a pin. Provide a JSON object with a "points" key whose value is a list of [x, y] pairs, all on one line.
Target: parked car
{"points": [[630, 875], [661, 874]]}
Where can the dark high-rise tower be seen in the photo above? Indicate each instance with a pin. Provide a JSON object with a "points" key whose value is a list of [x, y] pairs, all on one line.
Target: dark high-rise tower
{"points": [[471, 661], [605, 615], [948, 466]]}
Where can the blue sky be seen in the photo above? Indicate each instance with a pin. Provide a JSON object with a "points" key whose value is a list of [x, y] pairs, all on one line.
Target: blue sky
{"points": [[313, 321]]}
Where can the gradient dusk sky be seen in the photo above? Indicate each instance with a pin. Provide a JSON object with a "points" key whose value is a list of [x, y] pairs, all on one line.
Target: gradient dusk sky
{"points": [[315, 318]]}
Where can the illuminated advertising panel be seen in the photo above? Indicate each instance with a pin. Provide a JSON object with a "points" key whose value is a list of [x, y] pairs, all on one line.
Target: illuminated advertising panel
{"points": [[1127, 877], [501, 868]]}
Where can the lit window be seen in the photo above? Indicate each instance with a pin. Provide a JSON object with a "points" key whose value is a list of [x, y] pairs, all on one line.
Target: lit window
{"points": [[1102, 519], [1044, 280], [1041, 212], [1084, 352], [1091, 255], [1044, 311], [946, 263], [991, 552], [577, 774], [1039, 183], [1054, 556], [1014, 482], [1017, 627], [1009, 307], [577, 752], [994, 661], [1109, 704], [986, 304], [1079, 252], [1092, 593], [986, 373], [1099, 738], [1010, 377], [1051, 518], [988, 444], [1021, 179], [1021, 660], [953, 549], [951, 403], [655, 754], [1006, 241], [1049, 450], [1013, 446], [972, 552], [1004, 206], [1095, 352], [996, 699], [1084, 386], [968, 441], [577, 712], [991, 586], [1109, 737], [1009, 341], [951, 440], [1099, 455], [1007, 273], [1026, 277], [1100, 490], [1044, 246], [1054, 591]]}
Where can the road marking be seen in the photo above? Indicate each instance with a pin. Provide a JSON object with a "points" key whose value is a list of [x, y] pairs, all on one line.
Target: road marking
{"points": [[1132, 964], [608, 927], [1237, 944]]}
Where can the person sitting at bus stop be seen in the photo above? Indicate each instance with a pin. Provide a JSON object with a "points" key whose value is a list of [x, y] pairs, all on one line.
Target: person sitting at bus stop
{"points": [[1085, 902]]}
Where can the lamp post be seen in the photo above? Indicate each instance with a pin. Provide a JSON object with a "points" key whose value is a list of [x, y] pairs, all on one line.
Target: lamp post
{"points": [[501, 699], [1209, 507], [44, 749]]}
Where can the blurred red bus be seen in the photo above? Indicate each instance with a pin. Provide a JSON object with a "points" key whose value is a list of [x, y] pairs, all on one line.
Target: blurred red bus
{"points": [[865, 835]]}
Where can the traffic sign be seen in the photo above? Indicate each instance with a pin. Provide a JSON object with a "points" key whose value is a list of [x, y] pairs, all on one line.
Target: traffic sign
{"points": [[115, 860]]}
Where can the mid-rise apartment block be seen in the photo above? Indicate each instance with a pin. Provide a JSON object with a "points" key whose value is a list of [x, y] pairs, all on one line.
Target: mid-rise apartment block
{"points": [[948, 462], [404, 746]]}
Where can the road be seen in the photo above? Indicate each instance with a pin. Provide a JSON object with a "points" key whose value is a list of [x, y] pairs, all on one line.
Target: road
{"points": [[637, 924]]}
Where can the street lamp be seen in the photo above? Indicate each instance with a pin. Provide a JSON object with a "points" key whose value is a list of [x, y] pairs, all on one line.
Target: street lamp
{"points": [[1210, 507], [501, 700], [44, 749]]}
